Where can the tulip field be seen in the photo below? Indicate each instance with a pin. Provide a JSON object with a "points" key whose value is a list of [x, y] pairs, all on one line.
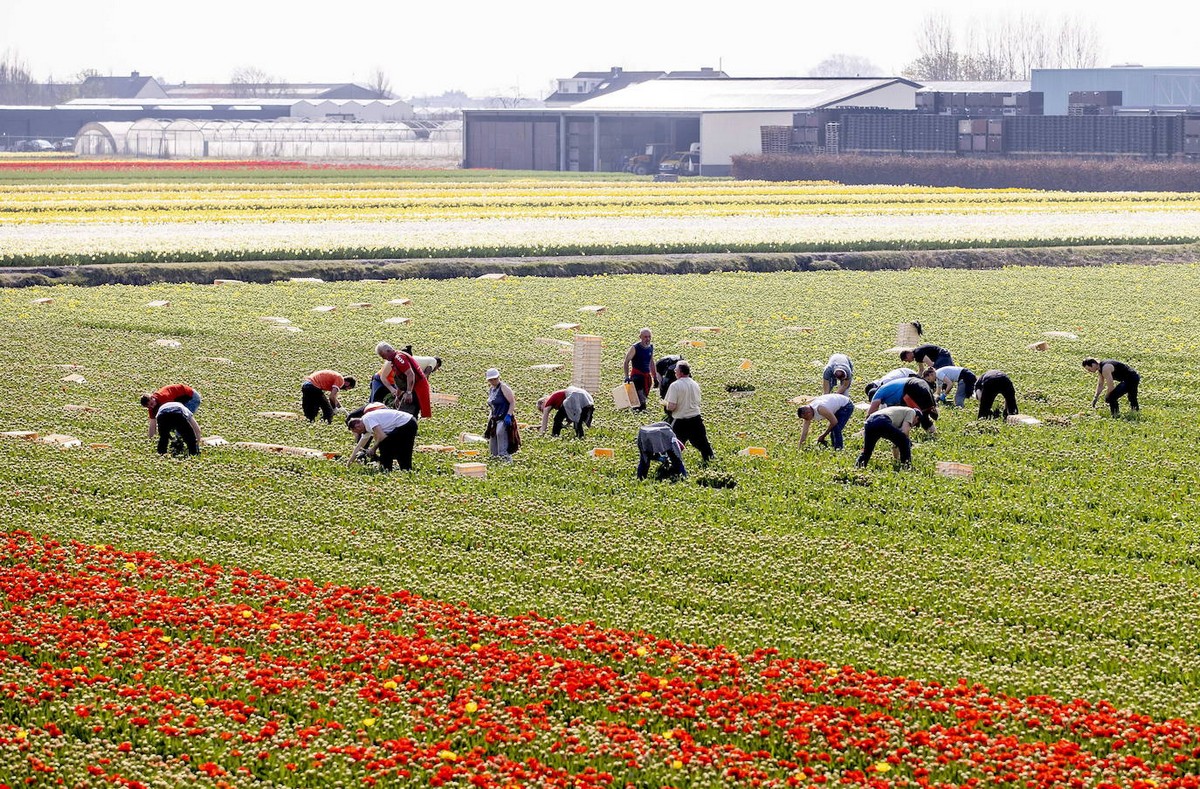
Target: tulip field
{"points": [[246, 619], [78, 212], [254, 619]]}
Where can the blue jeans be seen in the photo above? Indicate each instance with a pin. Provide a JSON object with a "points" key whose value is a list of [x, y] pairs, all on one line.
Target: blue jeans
{"points": [[193, 404], [842, 415]]}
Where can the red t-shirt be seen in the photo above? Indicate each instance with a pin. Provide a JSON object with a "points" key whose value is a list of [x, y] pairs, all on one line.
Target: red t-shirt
{"points": [[556, 400], [401, 364], [325, 380], [172, 393]]}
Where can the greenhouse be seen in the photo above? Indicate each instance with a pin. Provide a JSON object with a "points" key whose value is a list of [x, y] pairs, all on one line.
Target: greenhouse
{"points": [[414, 140]]}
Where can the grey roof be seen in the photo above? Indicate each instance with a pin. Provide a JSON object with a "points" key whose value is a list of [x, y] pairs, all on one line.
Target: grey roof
{"points": [[735, 94], [120, 87], [967, 86]]}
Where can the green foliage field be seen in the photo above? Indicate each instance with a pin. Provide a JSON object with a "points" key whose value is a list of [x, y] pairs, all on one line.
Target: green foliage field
{"points": [[1070, 564]]}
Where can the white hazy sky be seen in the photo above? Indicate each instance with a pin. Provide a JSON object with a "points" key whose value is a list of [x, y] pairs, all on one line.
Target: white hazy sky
{"points": [[510, 47]]}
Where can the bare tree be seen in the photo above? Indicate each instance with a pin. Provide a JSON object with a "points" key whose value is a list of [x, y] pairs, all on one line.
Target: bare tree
{"points": [[16, 81], [252, 81], [380, 83], [845, 65], [1005, 48]]}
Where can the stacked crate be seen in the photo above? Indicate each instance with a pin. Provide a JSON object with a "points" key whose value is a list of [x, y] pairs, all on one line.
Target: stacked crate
{"points": [[981, 135], [776, 139], [585, 362], [1191, 136]]}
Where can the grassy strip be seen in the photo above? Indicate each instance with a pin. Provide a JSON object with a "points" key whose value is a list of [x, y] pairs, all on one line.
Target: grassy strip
{"points": [[143, 273]]}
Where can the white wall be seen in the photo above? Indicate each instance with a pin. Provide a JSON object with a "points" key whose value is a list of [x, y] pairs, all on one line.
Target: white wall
{"points": [[894, 97], [724, 135]]}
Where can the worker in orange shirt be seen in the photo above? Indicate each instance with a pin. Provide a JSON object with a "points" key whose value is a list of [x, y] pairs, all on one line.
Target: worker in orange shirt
{"points": [[319, 393]]}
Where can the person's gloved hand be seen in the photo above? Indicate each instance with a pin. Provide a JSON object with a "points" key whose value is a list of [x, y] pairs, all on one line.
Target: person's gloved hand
{"points": [[629, 379], [508, 420]]}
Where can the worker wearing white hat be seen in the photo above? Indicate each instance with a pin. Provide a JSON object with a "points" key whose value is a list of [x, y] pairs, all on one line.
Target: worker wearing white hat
{"points": [[502, 418]]}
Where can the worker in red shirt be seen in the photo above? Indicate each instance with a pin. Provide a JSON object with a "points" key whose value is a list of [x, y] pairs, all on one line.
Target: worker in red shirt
{"points": [[171, 393], [415, 397], [319, 393]]}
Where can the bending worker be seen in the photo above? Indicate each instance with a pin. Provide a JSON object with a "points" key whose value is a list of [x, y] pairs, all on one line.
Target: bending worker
{"points": [[394, 433], [927, 356], [176, 419], [415, 397], [639, 367], [912, 392], [171, 393], [961, 378], [1111, 371], [319, 393], [573, 405], [993, 384], [838, 373], [834, 408], [894, 424]]}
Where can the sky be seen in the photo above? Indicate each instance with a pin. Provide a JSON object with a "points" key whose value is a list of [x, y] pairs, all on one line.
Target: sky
{"points": [[518, 48]]}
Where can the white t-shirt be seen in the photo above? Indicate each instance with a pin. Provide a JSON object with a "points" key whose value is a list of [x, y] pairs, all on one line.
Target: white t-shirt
{"points": [[899, 372], [685, 394], [167, 408], [387, 419], [832, 401]]}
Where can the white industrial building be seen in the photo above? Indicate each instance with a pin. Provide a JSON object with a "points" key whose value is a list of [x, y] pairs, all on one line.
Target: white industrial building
{"points": [[724, 115]]}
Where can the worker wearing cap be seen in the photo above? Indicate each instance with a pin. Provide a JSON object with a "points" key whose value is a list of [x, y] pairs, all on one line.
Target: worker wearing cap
{"points": [[502, 404], [573, 405], [838, 374], [834, 408], [394, 433], [171, 393], [1119, 378], [893, 424], [639, 367], [319, 393]]}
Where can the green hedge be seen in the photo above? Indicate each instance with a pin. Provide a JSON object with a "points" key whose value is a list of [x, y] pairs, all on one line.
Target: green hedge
{"points": [[448, 268]]}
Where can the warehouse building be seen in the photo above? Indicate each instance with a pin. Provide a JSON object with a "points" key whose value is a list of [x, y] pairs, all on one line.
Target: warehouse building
{"points": [[1129, 87], [723, 115]]}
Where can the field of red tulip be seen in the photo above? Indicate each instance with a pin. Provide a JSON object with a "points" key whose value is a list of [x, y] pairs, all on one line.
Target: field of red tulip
{"points": [[126, 669]]}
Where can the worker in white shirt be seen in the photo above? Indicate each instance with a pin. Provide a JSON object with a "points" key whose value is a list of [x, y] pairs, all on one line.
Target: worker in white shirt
{"points": [[683, 404], [834, 408], [394, 433]]}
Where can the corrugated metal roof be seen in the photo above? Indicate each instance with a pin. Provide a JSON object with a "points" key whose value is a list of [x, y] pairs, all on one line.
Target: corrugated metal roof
{"points": [[962, 86], [725, 94]]}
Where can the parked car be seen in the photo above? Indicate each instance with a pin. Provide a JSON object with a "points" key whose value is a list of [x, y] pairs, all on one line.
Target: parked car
{"points": [[33, 146], [680, 163], [65, 144]]}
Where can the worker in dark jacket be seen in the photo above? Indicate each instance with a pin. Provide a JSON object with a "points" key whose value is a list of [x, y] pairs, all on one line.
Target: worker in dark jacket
{"points": [[927, 356], [913, 392], [1118, 378], [989, 386]]}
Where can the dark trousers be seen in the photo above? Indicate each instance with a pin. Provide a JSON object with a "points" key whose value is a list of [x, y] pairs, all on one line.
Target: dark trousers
{"points": [[1124, 388], [642, 381], [174, 424], [379, 389], [692, 429], [881, 427], [585, 418], [313, 401], [398, 446], [993, 388]]}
